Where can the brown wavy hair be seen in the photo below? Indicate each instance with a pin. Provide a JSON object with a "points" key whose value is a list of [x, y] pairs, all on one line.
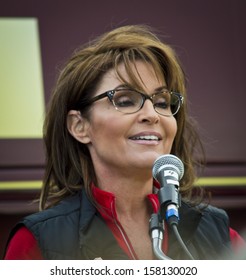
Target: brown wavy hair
{"points": [[68, 163]]}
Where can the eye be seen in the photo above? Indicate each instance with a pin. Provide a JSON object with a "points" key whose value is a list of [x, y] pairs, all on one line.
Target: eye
{"points": [[125, 98], [161, 101]]}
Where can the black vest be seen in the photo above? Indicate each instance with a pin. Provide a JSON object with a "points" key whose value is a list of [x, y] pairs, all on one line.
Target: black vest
{"points": [[74, 229]]}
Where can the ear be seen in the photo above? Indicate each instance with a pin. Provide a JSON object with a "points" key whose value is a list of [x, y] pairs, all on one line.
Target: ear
{"points": [[78, 126]]}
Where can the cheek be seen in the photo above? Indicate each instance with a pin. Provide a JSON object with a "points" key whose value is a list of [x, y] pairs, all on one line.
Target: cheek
{"points": [[170, 131], [174, 128], [105, 128], [170, 127]]}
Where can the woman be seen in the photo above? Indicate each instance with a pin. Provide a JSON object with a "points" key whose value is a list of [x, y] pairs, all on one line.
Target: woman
{"points": [[119, 103]]}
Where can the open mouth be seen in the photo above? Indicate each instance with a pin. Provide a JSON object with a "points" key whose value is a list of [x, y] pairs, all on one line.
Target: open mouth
{"points": [[146, 138]]}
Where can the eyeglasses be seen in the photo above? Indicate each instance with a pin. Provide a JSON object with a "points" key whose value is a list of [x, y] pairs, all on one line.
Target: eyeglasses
{"points": [[128, 101]]}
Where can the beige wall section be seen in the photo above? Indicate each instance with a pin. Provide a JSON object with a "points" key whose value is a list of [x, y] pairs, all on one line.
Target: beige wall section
{"points": [[21, 82]]}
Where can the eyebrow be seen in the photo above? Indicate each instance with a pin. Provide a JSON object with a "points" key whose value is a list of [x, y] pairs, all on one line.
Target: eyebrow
{"points": [[125, 86], [160, 88]]}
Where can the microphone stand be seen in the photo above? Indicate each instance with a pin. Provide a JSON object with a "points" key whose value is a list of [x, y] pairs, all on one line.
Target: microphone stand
{"points": [[156, 233], [168, 210], [166, 195]]}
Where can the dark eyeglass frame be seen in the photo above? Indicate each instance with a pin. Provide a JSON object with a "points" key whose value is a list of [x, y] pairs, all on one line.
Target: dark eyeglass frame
{"points": [[110, 95]]}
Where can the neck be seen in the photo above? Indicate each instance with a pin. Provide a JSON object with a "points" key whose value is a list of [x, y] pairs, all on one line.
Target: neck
{"points": [[130, 192]]}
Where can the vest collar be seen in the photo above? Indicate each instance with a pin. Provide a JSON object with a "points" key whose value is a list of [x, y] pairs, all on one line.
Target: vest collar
{"points": [[106, 201], [189, 216]]}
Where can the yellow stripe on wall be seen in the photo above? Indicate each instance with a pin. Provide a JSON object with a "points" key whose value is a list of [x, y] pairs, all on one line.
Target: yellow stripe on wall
{"points": [[221, 181], [203, 181], [20, 185]]}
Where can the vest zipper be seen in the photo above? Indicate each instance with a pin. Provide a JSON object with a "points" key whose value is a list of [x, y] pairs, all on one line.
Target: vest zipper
{"points": [[122, 232]]}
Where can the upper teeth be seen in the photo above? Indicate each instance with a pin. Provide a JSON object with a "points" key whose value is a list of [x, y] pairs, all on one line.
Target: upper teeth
{"points": [[146, 137]]}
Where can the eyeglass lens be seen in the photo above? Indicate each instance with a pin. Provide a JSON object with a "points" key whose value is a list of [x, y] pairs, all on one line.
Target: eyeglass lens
{"points": [[129, 101]]}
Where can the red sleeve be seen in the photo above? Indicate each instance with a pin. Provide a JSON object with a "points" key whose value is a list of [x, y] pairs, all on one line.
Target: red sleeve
{"points": [[238, 243], [23, 246]]}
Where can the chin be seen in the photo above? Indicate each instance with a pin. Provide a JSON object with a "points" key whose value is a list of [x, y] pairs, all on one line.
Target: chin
{"points": [[147, 159]]}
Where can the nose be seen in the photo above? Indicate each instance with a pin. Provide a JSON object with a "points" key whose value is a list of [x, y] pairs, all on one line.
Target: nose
{"points": [[148, 113]]}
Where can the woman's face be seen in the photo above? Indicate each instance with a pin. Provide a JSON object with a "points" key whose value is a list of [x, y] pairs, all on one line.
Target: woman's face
{"points": [[121, 142]]}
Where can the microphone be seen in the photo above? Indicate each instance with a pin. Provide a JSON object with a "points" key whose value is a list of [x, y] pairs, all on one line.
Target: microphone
{"points": [[168, 170]]}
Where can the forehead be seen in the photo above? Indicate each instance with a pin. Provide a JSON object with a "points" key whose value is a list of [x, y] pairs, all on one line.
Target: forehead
{"points": [[140, 75]]}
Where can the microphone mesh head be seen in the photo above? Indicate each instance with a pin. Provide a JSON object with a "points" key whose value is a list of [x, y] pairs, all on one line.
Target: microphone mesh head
{"points": [[170, 160]]}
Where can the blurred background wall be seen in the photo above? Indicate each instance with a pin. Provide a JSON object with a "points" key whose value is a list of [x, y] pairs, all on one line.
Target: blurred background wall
{"points": [[209, 37]]}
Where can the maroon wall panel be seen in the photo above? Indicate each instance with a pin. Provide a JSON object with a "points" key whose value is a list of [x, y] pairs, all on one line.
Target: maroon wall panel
{"points": [[209, 37]]}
